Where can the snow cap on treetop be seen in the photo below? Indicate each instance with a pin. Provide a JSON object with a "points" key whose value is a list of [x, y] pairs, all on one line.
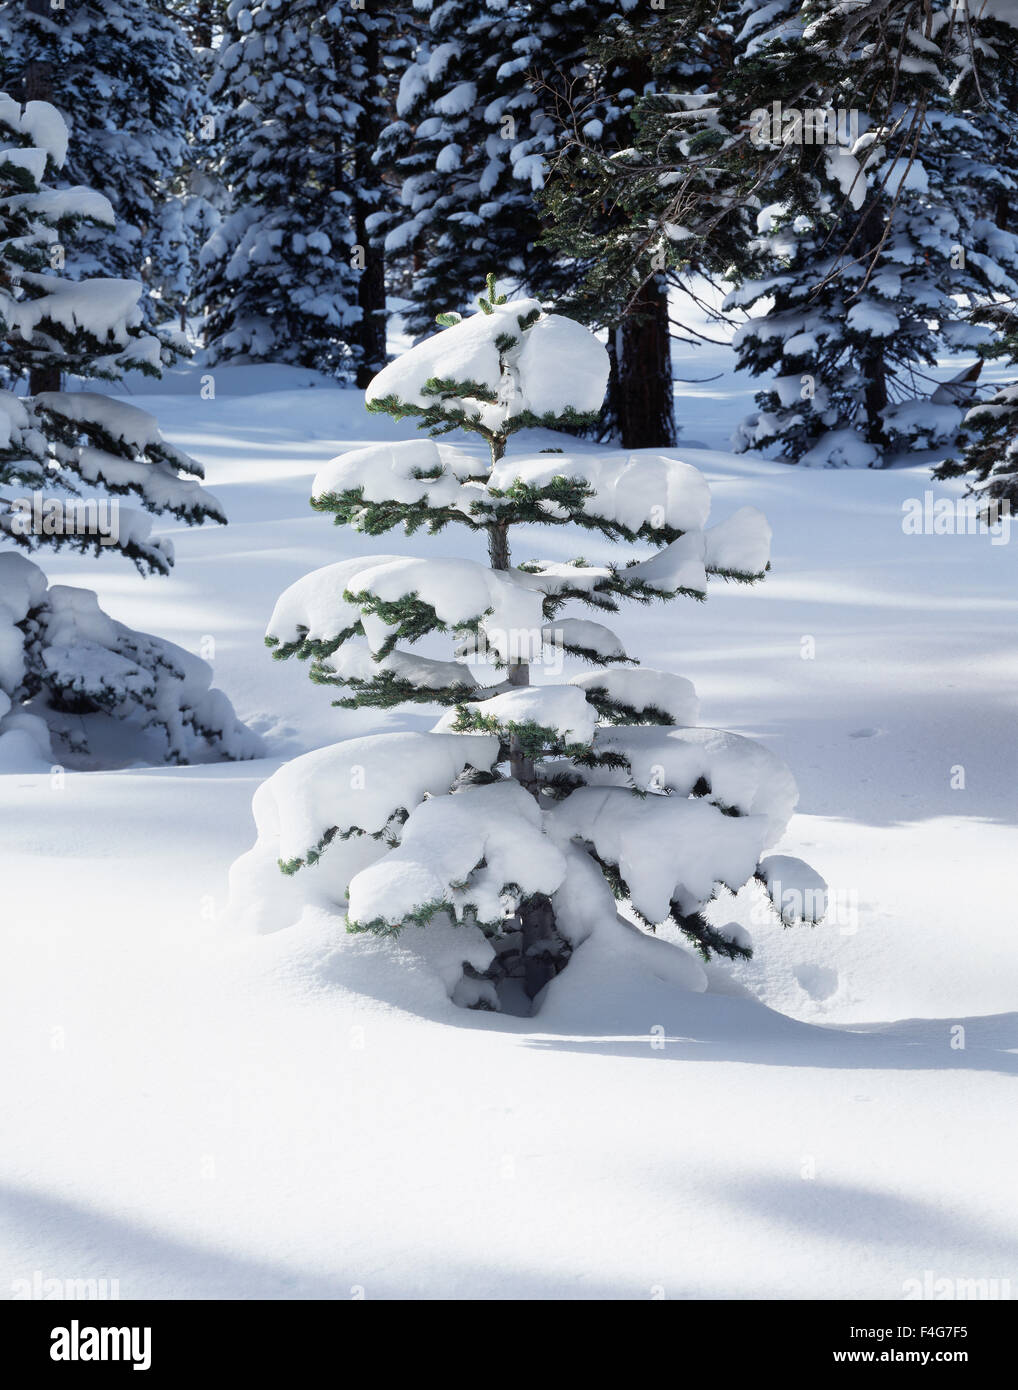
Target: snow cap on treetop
{"points": [[510, 360]]}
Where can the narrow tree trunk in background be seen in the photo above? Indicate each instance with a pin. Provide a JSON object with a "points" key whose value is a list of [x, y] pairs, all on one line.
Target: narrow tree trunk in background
{"points": [[203, 24], [875, 397], [371, 298], [38, 86], [644, 405], [371, 285], [874, 365]]}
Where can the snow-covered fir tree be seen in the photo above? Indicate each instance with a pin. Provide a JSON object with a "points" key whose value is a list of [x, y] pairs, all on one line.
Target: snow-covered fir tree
{"points": [[291, 275], [988, 442], [875, 249], [67, 669], [461, 107], [514, 827], [193, 205], [125, 75], [481, 115], [868, 267]]}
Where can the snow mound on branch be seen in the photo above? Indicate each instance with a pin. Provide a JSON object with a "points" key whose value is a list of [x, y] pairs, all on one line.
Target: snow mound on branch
{"points": [[41, 122], [117, 418], [106, 307], [554, 578], [584, 638], [560, 707], [561, 364], [632, 490], [680, 565], [741, 544], [355, 661], [482, 847], [798, 892], [460, 592], [358, 784], [551, 367], [667, 848], [610, 950], [926, 423], [314, 607], [392, 473], [54, 204], [741, 774], [841, 449], [641, 690], [872, 319]]}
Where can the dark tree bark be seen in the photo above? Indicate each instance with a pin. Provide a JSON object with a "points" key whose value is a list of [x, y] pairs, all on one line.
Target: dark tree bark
{"points": [[371, 286], [643, 407], [371, 298], [38, 86], [874, 365]]}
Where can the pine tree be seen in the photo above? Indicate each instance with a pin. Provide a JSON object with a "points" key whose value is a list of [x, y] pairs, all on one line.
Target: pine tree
{"points": [[859, 256], [660, 75], [461, 107], [481, 115], [125, 75], [876, 256], [989, 437], [529, 808], [595, 92], [195, 200], [290, 275], [66, 460]]}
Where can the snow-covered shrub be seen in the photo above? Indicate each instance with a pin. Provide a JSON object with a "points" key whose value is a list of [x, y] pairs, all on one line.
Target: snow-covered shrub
{"points": [[528, 809], [78, 688], [66, 460]]}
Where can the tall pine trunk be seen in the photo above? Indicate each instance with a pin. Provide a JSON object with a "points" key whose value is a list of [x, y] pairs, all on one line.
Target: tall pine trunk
{"points": [[371, 285], [641, 397], [38, 86], [873, 364]]}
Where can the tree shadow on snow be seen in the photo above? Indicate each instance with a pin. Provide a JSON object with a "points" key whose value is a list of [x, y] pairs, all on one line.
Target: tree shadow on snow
{"points": [[719, 1028], [67, 1241]]}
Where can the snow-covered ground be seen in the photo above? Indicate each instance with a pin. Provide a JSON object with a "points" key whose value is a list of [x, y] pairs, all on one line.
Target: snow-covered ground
{"points": [[199, 1114]]}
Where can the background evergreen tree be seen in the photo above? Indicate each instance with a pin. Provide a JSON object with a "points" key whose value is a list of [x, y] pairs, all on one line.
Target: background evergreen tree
{"points": [[289, 276], [66, 667], [482, 113], [461, 105], [875, 263], [125, 74], [861, 264]]}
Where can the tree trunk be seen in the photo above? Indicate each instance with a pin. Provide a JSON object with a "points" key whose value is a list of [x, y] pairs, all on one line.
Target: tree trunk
{"points": [[521, 767], [644, 401], [203, 24], [539, 941], [371, 285], [873, 365], [875, 398], [38, 86]]}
